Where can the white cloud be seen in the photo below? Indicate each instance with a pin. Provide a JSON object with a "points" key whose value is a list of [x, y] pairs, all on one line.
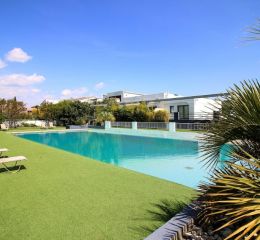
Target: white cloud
{"points": [[2, 64], [66, 92], [20, 79], [99, 85], [18, 55], [36, 90], [18, 91], [74, 92]]}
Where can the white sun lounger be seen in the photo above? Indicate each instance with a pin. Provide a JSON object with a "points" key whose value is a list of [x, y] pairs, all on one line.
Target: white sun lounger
{"points": [[3, 127], [15, 159], [3, 150]]}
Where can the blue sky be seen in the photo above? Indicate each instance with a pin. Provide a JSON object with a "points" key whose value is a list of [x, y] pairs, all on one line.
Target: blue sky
{"points": [[78, 47]]}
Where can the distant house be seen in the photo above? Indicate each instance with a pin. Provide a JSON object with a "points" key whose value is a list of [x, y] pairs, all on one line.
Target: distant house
{"points": [[90, 100], [181, 109], [53, 101]]}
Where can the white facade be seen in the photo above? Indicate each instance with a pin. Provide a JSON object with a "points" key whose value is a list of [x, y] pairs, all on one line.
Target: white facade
{"points": [[121, 96], [130, 97], [198, 108], [82, 99], [149, 97], [89, 99]]}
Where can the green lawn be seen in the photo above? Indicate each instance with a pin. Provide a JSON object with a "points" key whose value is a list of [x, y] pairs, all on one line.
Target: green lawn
{"points": [[61, 195]]}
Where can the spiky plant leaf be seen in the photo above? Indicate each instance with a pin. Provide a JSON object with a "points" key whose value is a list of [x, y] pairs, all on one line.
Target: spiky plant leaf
{"points": [[232, 198], [239, 123], [254, 31]]}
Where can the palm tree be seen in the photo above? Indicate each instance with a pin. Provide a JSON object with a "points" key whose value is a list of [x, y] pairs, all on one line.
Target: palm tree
{"points": [[232, 197]]}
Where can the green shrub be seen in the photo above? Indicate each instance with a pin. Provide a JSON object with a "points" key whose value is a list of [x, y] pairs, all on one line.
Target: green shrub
{"points": [[142, 113], [161, 116], [105, 116]]}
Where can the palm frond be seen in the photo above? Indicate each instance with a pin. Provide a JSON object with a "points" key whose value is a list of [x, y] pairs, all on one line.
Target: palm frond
{"points": [[239, 124], [254, 31], [232, 198]]}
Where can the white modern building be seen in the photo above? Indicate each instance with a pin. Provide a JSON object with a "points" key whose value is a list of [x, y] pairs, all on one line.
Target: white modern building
{"points": [[91, 99], [191, 108], [182, 109], [52, 101]]}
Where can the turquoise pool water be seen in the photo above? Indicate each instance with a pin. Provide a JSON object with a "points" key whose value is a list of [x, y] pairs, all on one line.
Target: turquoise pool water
{"points": [[173, 160]]}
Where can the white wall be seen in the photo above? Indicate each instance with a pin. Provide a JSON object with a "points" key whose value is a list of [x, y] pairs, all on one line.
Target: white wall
{"points": [[199, 108], [206, 106], [38, 123], [148, 97], [130, 95], [123, 94]]}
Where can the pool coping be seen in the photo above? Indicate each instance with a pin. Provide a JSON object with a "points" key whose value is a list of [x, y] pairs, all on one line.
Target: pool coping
{"points": [[187, 136], [177, 226]]}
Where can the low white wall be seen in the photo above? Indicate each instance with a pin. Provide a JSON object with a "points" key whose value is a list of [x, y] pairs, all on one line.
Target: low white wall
{"points": [[37, 123]]}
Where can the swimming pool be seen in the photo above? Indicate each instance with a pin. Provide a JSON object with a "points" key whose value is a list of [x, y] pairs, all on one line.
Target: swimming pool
{"points": [[174, 160]]}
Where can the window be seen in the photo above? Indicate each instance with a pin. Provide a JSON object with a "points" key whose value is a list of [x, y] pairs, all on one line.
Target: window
{"points": [[171, 109], [183, 111]]}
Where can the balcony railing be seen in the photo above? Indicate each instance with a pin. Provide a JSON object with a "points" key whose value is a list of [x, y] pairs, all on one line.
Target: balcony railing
{"points": [[121, 124], [195, 116], [153, 125], [193, 126]]}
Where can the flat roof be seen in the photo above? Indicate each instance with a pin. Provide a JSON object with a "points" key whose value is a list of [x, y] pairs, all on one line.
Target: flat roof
{"points": [[123, 91], [181, 98]]}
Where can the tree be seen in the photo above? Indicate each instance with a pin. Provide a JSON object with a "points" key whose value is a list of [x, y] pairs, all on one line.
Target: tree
{"points": [[67, 112], [2, 110], [46, 112], [13, 111], [104, 116]]}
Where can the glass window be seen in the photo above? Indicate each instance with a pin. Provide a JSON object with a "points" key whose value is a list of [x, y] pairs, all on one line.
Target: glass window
{"points": [[183, 111], [171, 109]]}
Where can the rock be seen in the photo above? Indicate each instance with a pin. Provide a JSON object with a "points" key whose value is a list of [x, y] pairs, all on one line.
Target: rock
{"points": [[216, 236], [198, 238], [226, 232], [189, 235]]}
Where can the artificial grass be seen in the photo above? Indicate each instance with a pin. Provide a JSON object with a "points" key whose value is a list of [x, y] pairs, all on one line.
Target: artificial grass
{"points": [[61, 195]]}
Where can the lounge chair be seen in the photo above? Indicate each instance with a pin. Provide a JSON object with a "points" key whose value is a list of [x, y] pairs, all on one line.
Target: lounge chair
{"points": [[4, 127], [3, 150], [15, 159], [51, 125]]}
